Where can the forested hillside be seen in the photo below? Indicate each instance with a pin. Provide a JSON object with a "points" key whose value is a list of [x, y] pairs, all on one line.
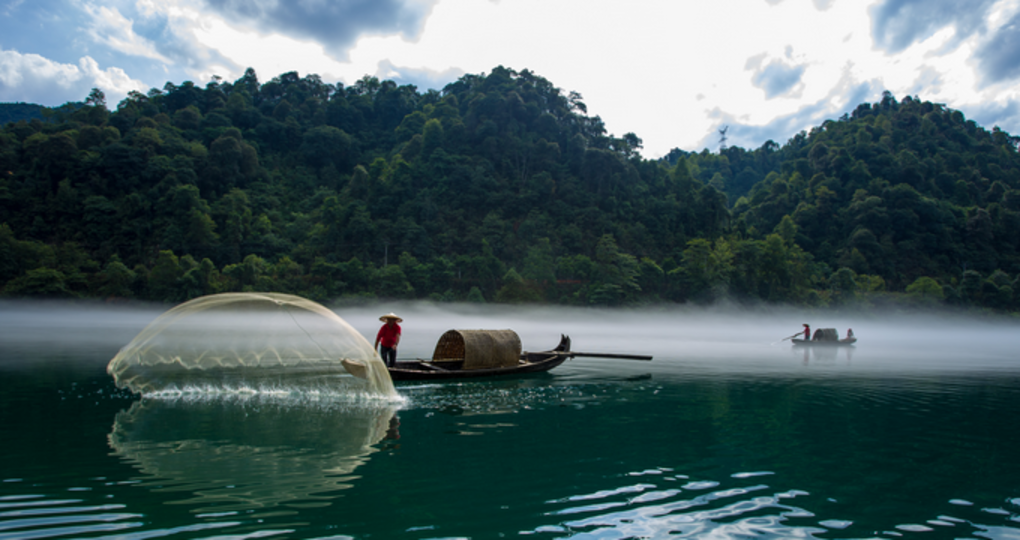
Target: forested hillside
{"points": [[13, 112], [499, 188]]}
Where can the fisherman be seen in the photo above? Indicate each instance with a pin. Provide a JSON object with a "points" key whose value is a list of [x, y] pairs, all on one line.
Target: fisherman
{"points": [[388, 338], [849, 333], [806, 332]]}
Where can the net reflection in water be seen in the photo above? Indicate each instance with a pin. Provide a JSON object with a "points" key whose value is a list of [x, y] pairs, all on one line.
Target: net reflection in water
{"points": [[234, 454]]}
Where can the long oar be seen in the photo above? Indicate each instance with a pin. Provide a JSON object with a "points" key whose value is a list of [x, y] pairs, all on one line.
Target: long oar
{"points": [[599, 355], [786, 338]]}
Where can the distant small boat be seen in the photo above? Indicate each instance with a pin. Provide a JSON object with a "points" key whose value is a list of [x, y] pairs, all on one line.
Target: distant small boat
{"points": [[463, 354], [825, 337]]}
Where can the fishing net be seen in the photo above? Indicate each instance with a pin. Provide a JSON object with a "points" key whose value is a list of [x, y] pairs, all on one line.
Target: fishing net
{"points": [[251, 342]]}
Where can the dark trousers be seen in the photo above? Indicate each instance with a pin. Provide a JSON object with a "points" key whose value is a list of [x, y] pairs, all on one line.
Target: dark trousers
{"points": [[389, 355]]}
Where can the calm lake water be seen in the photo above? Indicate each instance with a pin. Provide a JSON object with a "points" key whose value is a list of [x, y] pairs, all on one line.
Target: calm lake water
{"points": [[728, 433]]}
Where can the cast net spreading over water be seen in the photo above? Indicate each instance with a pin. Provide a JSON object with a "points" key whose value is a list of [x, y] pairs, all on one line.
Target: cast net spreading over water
{"points": [[251, 342]]}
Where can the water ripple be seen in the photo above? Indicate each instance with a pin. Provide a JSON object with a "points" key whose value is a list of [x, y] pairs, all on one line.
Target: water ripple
{"points": [[647, 510], [33, 516], [608, 493]]}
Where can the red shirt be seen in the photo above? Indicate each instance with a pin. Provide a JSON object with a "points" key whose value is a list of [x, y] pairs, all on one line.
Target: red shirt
{"points": [[387, 336]]}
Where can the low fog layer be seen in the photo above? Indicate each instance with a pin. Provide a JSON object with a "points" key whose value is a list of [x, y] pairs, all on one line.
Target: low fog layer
{"points": [[678, 338], [718, 337], [41, 331]]}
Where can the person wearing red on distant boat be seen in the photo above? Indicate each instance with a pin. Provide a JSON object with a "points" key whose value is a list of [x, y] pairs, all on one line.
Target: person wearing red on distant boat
{"points": [[388, 338], [806, 332]]}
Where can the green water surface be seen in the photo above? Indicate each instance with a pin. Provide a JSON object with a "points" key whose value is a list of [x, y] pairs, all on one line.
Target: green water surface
{"points": [[785, 444]]}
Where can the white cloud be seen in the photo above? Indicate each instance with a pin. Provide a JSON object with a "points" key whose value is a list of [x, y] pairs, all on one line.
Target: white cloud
{"points": [[18, 70], [12, 6], [110, 27], [671, 72], [34, 79], [269, 55], [112, 81], [656, 68]]}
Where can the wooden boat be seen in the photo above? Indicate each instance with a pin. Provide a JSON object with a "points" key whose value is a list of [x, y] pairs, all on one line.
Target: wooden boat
{"points": [[462, 354], [825, 337]]}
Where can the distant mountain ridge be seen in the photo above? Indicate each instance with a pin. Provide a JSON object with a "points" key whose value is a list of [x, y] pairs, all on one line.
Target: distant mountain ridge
{"points": [[15, 112]]}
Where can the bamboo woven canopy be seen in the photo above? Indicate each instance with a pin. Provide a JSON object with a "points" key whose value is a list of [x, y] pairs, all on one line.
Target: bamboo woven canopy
{"points": [[479, 349], [826, 334]]}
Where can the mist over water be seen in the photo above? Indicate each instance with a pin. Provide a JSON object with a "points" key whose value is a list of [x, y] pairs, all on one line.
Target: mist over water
{"points": [[726, 339], [713, 339], [63, 328]]}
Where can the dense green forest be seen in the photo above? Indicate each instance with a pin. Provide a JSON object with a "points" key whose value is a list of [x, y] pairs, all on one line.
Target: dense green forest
{"points": [[13, 112], [502, 188]]}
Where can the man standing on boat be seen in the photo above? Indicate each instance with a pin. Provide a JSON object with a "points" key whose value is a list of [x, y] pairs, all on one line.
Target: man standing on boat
{"points": [[388, 338], [806, 332]]}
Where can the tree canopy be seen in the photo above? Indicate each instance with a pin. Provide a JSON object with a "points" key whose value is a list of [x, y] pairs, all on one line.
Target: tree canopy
{"points": [[501, 187]]}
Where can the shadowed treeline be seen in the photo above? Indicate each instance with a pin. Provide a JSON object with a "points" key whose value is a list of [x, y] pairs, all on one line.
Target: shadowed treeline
{"points": [[499, 188]]}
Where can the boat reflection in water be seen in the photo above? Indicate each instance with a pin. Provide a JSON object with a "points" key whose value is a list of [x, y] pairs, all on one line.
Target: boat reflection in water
{"points": [[825, 355], [254, 453]]}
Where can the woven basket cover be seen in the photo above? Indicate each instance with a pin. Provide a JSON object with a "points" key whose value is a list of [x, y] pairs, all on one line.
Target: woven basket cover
{"points": [[479, 349]]}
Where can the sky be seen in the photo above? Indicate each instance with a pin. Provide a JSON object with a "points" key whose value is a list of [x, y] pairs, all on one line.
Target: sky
{"points": [[673, 72]]}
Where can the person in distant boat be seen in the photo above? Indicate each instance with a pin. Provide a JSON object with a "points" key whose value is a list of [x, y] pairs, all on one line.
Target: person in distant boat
{"points": [[388, 338], [806, 332], [849, 333]]}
